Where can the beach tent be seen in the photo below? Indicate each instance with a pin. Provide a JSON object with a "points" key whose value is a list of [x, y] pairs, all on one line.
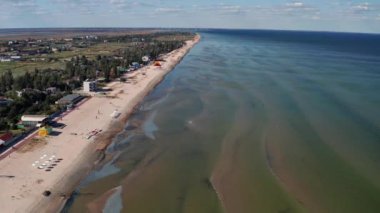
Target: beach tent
{"points": [[44, 131], [157, 64]]}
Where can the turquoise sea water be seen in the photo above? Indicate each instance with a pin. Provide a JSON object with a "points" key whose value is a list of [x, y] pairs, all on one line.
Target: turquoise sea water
{"points": [[253, 121]]}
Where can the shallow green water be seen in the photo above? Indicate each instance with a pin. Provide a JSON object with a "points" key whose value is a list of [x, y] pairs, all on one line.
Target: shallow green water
{"points": [[253, 122]]}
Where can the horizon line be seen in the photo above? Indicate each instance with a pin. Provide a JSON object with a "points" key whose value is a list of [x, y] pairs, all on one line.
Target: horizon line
{"points": [[193, 28]]}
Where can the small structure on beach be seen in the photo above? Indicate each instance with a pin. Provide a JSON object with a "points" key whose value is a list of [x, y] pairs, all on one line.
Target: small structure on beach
{"points": [[45, 131], [157, 64], [136, 65], [34, 120], [145, 59], [121, 69], [89, 86], [69, 100]]}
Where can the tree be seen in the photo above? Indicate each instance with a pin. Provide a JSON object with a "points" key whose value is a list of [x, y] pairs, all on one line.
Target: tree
{"points": [[8, 78], [4, 124]]}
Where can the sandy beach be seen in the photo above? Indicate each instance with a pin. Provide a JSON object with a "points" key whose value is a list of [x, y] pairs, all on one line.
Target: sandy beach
{"points": [[70, 152]]}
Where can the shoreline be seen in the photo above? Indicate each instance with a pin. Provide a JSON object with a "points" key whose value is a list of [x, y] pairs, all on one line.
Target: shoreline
{"points": [[79, 154]]}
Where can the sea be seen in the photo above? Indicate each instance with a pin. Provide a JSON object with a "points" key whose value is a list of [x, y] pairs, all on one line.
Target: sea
{"points": [[251, 121]]}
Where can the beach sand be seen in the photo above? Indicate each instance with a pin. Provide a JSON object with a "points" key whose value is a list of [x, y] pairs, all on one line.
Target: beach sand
{"points": [[24, 192]]}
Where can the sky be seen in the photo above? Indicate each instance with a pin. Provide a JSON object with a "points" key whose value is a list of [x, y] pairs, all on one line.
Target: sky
{"points": [[321, 15]]}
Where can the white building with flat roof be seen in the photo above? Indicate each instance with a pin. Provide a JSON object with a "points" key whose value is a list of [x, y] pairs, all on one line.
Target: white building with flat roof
{"points": [[34, 120], [89, 86]]}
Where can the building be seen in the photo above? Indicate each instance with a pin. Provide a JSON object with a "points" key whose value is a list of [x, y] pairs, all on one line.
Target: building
{"points": [[135, 65], [45, 131], [89, 86], [3, 59], [69, 100], [4, 101], [5, 138], [51, 90], [15, 58], [121, 69], [34, 120]]}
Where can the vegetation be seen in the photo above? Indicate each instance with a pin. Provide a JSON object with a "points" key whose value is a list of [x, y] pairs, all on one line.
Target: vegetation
{"points": [[29, 89]]}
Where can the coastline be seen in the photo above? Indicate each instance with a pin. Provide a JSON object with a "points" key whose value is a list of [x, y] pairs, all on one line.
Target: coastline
{"points": [[23, 193]]}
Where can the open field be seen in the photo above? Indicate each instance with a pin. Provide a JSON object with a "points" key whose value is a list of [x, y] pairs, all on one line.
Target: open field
{"points": [[57, 60], [93, 51], [18, 68], [11, 34], [104, 49]]}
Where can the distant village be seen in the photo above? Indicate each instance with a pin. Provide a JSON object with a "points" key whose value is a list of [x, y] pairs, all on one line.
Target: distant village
{"points": [[28, 49]]}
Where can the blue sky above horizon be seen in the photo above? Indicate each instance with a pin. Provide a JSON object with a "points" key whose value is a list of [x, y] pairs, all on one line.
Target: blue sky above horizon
{"points": [[322, 15]]}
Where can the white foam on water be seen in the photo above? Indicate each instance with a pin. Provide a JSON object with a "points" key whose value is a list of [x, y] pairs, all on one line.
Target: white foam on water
{"points": [[114, 203], [149, 127]]}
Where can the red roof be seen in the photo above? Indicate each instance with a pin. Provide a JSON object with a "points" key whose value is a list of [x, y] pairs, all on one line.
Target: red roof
{"points": [[6, 136]]}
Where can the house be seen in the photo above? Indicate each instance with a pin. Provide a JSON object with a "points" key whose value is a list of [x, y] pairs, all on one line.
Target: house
{"points": [[34, 120], [15, 58], [51, 90], [118, 57], [4, 59], [4, 101], [69, 100], [89, 86], [3, 49], [5, 137]]}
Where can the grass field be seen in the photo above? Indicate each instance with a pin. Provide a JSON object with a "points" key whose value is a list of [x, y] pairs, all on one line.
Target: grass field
{"points": [[21, 67], [93, 51], [103, 49]]}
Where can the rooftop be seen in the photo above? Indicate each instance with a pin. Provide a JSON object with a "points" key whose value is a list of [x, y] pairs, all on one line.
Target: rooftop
{"points": [[68, 99], [35, 118]]}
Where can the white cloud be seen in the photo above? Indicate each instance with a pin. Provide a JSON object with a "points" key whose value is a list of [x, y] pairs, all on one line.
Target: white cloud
{"points": [[295, 4], [365, 8], [361, 11], [230, 9], [119, 3], [169, 10], [361, 7]]}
